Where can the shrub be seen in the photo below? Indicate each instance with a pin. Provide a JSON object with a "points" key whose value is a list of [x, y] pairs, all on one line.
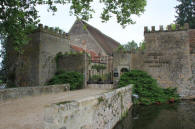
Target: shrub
{"points": [[146, 88], [98, 67], [96, 78], [100, 78], [171, 93], [75, 79]]}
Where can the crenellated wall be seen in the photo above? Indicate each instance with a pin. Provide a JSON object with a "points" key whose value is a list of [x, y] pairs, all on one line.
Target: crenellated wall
{"points": [[168, 57], [37, 63]]}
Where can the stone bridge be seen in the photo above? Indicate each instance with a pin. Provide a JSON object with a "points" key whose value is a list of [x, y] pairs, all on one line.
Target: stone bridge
{"points": [[28, 112]]}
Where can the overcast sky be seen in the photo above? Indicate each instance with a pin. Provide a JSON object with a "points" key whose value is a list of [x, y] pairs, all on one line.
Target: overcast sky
{"points": [[157, 12]]}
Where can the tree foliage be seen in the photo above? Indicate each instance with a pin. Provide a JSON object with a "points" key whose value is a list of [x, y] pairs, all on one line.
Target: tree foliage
{"points": [[186, 12], [142, 45], [128, 47], [147, 88], [17, 15], [132, 46]]}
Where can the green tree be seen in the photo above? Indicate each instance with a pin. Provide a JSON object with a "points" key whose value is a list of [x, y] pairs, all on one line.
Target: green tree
{"points": [[142, 45], [16, 15], [186, 12], [131, 46]]}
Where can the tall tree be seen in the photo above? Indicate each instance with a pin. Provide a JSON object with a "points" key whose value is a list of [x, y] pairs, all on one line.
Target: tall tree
{"points": [[131, 46], [186, 12], [128, 47], [17, 15]]}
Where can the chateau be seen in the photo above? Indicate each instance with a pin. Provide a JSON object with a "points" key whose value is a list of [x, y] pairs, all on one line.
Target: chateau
{"points": [[169, 56]]}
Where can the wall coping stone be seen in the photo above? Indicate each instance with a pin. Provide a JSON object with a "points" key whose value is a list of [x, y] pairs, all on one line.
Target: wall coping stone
{"points": [[52, 31], [101, 86], [15, 93]]}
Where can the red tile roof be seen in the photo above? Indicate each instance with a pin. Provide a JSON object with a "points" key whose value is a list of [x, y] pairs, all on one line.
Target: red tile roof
{"points": [[93, 55]]}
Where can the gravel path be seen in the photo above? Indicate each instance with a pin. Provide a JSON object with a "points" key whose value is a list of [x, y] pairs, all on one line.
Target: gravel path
{"points": [[27, 113]]}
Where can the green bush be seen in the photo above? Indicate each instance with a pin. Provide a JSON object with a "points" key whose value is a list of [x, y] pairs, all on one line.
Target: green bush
{"points": [[147, 88], [75, 79], [98, 67], [96, 78]]}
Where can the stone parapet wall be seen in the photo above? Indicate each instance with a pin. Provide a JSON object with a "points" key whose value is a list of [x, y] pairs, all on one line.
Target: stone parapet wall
{"points": [[168, 28], [52, 31], [14, 93], [96, 112], [100, 86]]}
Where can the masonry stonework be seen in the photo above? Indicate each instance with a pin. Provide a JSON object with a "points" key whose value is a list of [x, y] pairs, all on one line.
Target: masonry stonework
{"points": [[167, 57], [16, 93], [37, 63], [121, 60], [50, 45], [97, 112], [73, 62]]}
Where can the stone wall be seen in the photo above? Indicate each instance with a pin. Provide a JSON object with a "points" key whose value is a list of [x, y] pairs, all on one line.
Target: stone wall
{"points": [[192, 40], [167, 58], [22, 70], [15, 93], [120, 60], [73, 62], [97, 112], [137, 60], [50, 45], [37, 64], [101, 86]]}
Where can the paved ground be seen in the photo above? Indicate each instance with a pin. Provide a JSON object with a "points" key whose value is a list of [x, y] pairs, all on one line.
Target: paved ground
{"points": [[27, 113]]}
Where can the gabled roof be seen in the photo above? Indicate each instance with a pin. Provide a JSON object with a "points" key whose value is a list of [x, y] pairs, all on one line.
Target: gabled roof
{"points": [[107, 43]]}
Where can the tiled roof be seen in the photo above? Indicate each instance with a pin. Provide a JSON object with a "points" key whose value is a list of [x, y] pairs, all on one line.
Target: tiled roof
{"points": [[76, 48], [107, 43], [91, 53]]}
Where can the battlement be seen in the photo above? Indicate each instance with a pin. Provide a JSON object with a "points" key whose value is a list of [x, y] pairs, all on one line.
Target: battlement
{"points": [[52, 31], [166, 29]]}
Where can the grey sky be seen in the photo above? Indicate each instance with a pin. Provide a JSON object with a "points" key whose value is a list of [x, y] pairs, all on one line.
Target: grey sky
{"points": [[158, 12]]}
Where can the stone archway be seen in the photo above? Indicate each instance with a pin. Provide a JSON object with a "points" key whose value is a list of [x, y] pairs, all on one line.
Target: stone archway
{"points": [[123, 70]]}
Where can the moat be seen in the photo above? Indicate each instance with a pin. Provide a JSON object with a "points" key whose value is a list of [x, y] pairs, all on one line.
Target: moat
{"points": [[168, 116]]}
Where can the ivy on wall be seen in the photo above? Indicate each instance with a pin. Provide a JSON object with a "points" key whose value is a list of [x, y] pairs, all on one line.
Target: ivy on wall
{"points": [[147, 89]]}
